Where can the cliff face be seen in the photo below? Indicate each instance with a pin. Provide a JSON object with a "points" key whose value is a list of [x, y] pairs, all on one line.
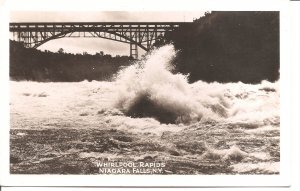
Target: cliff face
{"points": [[229, 47]]}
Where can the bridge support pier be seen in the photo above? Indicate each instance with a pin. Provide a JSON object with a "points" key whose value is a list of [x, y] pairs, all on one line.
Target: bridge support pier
{"points": [[134, 51]]}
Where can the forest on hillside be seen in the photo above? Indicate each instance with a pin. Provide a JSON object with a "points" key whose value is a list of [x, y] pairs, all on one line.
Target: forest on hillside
{"points": [[35, 65], [228, 47]]}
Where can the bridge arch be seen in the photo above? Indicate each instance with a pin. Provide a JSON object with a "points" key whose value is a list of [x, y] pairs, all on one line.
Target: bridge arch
{"points": [[65, 34]]}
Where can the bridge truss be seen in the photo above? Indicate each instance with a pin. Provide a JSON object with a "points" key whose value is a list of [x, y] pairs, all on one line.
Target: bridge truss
{"points": [[136, 34]]}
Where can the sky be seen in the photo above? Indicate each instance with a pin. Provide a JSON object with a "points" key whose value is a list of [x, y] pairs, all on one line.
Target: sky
{"points": [[93, 45]]}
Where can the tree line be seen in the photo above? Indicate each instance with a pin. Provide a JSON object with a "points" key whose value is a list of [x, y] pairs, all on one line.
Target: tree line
{"points": [[37, 65], [228, 47]]}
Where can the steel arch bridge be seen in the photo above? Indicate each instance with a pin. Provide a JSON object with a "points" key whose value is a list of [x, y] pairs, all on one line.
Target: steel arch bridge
{"points": [[136, 34]]}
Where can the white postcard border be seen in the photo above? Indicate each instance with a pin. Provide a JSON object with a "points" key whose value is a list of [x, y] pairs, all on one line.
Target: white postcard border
{"points": [[153, 180]]}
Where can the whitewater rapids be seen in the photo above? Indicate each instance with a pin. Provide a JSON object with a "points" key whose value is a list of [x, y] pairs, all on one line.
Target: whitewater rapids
{"points": [[231, 127]]}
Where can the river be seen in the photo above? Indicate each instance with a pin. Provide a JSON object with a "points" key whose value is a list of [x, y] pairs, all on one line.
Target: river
{"points": [[148, 114]]}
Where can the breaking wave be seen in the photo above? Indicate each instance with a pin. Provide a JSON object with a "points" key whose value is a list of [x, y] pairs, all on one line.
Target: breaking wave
{"points": [[150, 89]]}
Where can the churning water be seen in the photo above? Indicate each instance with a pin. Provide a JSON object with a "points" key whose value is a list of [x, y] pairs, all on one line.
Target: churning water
{"points": [[198, 128], [150, 89]]}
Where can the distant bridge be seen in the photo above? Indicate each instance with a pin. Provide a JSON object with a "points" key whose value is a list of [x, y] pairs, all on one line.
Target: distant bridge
{"points": [[137, 34]]}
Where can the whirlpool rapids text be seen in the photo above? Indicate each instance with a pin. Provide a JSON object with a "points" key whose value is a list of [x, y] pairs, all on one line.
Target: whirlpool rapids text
{"points": [[131, 167]]}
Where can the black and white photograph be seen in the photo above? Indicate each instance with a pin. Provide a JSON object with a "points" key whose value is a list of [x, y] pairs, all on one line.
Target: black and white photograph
{"points": [[144, 93], [114, 94]]}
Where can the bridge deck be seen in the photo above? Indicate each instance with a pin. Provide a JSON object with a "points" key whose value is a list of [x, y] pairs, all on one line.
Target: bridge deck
{"points": [[92, 26], [108, 23]]}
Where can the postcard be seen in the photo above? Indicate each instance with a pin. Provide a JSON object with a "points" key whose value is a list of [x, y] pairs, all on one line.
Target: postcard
{"points": [[186, 97]]}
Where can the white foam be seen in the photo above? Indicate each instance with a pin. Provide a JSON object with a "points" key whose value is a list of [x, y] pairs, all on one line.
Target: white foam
{"points": [[265, 167], [233, 153], [261, 155], [233, 102]]}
